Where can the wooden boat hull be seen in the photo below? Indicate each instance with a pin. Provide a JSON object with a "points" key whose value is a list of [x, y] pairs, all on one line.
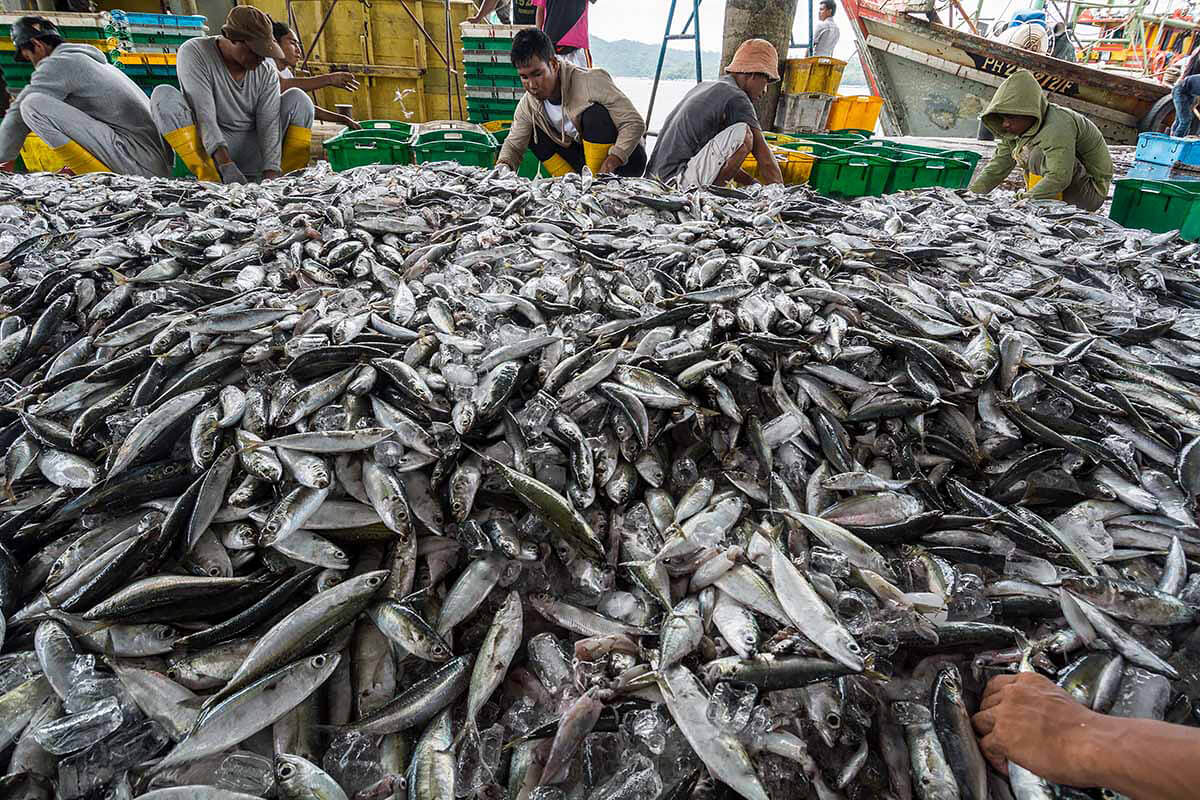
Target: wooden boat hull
{"points": [[936, 80]]}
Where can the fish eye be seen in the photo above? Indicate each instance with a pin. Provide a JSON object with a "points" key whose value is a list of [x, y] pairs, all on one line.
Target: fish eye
{"points": [[166, 631], [318, 661], [1091, 582], [853, 647], [285, 771], [374, 580], [338, 554]]}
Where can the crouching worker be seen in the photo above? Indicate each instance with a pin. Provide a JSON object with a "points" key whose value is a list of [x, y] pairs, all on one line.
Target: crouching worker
{"points": [[1061, 152], [94, 117], [231, 123], [571, 116], [707, 137]]}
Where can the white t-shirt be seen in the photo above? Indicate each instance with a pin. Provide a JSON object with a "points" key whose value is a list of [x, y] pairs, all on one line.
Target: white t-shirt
{"points": [[560, 121], [286, 73]]}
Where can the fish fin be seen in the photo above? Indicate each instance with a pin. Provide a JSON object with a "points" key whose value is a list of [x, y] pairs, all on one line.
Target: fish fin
{"points": [[118, 277]]}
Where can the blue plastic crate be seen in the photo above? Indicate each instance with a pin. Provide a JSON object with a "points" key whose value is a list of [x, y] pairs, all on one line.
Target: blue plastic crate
{"points": [[1159, 148], [165, 20], [1146, 171]]}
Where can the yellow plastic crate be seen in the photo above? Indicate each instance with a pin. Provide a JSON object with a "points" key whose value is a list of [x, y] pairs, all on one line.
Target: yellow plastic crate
{"points": [[855, 111], [796, 165], [497, 125], [153, 59], [39, 157], [819, 74]]}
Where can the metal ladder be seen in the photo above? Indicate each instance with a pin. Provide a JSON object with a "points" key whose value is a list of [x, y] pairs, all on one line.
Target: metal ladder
{"points": [[693, 22]]}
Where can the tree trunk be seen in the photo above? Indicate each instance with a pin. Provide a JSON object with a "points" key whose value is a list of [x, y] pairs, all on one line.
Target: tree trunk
{"points": [[760, 19]]}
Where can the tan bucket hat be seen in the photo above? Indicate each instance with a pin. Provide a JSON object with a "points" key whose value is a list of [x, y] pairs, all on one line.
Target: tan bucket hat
{"points": [[248, 24], [756, 55]]}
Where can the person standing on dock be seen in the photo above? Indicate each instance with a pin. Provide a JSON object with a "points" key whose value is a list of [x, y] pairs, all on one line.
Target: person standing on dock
{"points": [[825, 32], [1184, 93], [569, 116], [708, 136], [231, 123], [566, 23], [91, 113], [1062, 152]]}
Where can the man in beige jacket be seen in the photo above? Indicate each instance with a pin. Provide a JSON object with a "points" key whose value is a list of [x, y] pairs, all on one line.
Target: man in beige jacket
{"points": [[571, 117]]}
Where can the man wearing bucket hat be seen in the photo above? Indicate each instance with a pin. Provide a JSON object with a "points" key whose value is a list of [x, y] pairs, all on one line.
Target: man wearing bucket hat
{"points": [[93, 116], [231, 123], [707, 137]]}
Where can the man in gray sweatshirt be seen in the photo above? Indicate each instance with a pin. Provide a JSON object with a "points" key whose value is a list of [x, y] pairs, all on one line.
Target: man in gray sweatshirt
{"points": [[90, 112], [247, 129]]}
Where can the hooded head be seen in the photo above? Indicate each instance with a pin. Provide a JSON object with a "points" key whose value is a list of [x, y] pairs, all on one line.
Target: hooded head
{"points": [[1019, 96]]}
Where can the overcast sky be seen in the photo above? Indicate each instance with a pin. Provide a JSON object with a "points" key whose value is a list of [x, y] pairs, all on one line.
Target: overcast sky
{"points": [[610, 20]]}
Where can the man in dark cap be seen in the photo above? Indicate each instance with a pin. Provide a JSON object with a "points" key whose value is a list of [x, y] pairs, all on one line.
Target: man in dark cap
{"points": [[230, 122], [94, 117]]}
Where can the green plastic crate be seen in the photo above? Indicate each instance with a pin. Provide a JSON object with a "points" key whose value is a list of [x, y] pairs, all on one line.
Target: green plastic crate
{"points": [[490, 70], [923, 172], [483, 110], [1157, 206], [395, 125], [360, 148], [530, 166], [852, 175], [818, 149], [494, 81], [859, 132], [160, 38], [482, 43], [469, 148]]}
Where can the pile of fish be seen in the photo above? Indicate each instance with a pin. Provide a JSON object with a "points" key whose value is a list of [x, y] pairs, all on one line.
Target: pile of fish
{"points": [[436, 483]]}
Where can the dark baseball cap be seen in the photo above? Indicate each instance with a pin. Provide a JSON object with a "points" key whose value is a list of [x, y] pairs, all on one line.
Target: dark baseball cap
{"points": [[248, 24]]}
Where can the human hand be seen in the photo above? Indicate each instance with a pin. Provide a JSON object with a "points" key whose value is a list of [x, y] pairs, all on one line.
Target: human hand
{"points": [[348, 122], [230, 173], [270, 174], [611, 164], [1027, 719], [8, 166], [342, 80]]}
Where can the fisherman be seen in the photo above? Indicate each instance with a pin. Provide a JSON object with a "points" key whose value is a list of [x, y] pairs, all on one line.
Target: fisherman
{"points": [[566, 23], [1028, 720], [825, 32], [1064, 48], [1184, 92], [708, 136], [290, 46], [247, 128], [94, 117], [1062, 152], [571, 116]]}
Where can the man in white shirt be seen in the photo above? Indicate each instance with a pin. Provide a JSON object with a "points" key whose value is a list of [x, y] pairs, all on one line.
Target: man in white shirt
{"points": [[292, 53], [825, 32]]}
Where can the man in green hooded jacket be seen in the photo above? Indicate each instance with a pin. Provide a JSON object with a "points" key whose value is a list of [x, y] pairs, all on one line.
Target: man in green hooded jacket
{"points": [[1062, 147]]}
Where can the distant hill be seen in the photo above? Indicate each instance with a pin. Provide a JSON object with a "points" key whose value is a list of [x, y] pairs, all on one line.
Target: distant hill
{"points": [[629, 59]]}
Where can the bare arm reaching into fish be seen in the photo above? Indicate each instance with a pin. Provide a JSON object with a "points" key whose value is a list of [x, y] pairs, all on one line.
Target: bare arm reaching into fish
{"points": [[1030, 721]]}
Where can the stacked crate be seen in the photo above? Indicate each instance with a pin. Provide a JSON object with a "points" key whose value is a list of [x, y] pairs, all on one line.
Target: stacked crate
{"points": [[810, 102], [493, 86], [143, 45], [148, 44], [1161, 191]]}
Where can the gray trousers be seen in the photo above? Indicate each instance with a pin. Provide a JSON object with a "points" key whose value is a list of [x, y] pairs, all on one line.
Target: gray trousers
{"points": [[172, 112], [57, 123], [1082, 192]]}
